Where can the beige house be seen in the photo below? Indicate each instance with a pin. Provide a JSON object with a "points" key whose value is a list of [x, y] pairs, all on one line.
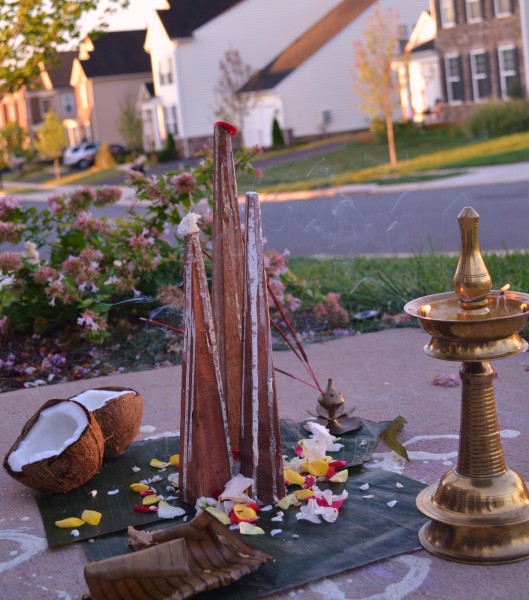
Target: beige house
{"points": [[106, 77]]}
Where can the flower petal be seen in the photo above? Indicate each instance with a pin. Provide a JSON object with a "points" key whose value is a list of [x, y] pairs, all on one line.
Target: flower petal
{"points": [[340, 477], [249, 529], [318, 468], [219, 514], [166, 511], [293, 478]]}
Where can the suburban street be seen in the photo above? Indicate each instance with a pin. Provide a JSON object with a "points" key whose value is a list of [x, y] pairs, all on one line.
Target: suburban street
{"points": [[392, 220]]}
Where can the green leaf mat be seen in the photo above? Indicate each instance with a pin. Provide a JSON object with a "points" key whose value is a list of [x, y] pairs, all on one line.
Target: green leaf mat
{"points": [[118, 474]]}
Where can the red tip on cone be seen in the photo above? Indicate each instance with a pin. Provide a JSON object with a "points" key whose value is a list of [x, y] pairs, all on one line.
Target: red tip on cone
{"points": [[227, 126]]}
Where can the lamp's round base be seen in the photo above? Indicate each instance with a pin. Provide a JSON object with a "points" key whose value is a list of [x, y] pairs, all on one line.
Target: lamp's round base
{"points": [[476, 520]]}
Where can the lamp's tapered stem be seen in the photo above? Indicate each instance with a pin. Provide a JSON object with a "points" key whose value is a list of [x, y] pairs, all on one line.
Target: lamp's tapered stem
{"points": [[480, 450]]}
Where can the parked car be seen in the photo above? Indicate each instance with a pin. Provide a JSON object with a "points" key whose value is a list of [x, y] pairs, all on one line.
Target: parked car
{"points": [[81, 156]]}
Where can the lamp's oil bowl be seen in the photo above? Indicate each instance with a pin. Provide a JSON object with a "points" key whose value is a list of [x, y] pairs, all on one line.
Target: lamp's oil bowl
{"points": [[465, 335]]}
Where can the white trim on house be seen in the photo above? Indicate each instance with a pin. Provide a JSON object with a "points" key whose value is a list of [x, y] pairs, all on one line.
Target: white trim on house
{"points": [[446, 7], [478, 74], [451, 79], [474, 11]]}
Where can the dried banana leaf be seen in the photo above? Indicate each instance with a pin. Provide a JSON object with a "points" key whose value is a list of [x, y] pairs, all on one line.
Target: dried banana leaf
{"points": [[206, 556]]}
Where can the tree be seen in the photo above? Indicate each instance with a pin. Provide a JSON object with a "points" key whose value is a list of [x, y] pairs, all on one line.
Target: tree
{"points": [[32, 31], [232, 105], [130, 125], [13, 139], [50, 140], [374, 78]]}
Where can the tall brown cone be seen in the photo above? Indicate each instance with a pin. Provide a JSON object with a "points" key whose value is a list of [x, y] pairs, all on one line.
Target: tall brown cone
{"points": [[227, 277], [260, 450], [205, 449]]}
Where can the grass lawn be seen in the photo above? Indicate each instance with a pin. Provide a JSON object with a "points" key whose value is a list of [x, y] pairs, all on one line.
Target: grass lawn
{"points": [[386, 284], [421, 153]]}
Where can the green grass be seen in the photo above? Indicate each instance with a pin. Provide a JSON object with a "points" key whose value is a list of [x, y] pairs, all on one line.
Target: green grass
{"points": [[386, 284], [421, 153]]}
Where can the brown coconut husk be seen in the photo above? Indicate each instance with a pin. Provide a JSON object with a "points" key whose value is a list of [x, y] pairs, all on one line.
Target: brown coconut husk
{"points": [[120, 420], [73, 467], [260, 449]]}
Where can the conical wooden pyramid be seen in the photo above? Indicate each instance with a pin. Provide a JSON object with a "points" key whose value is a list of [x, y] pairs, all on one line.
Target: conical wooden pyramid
{"points": [[227, 276], [205, 449], [260, 450]]}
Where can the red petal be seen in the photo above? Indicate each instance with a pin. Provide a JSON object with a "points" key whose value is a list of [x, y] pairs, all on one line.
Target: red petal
{"points": [[330, 473], [227, 126], [146, 509], [255, 507], [337, 463], [235, 452]]}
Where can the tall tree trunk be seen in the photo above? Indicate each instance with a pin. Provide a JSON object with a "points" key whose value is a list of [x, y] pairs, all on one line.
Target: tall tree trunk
{"points": [[57, 168], [391, 140]]}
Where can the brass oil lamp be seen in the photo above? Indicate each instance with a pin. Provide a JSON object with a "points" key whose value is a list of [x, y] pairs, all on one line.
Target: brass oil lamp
{"points": [[479, 511]]}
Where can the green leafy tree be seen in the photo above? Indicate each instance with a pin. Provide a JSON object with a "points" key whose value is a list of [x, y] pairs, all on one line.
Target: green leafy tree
{"points": [[130, 125], [13, 138], [278, 141], [104, 158], [50, 140], [32, 31], [374, 78]]}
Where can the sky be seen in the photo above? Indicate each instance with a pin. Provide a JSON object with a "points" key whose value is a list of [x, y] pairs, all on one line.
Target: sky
{"points": [[134, 17]]}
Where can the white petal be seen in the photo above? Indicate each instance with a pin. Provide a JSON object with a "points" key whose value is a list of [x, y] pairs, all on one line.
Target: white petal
{"points": [[275, 532], [399, 485], [308, 512], [166, 511], [278, 517], [234, 489], [364, 487], [391, 503]]}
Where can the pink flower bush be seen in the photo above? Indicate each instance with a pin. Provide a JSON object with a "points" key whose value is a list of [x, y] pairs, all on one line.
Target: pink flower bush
{"points": [[330, 311], [184, 183], [10, 262], [8, 206], [10, 233]]}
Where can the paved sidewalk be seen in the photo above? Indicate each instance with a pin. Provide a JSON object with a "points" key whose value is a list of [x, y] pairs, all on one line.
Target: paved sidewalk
{"points": [[383, 374], [510, 173]]}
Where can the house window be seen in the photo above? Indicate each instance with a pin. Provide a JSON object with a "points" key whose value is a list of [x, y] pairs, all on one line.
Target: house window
{"points": [[45, 106], [165, 71], [502, 8], [169, 115], [448, 13], [473, 11], [479, 64], [509, 72], [68, 104], [169, 73], [454, 80]]}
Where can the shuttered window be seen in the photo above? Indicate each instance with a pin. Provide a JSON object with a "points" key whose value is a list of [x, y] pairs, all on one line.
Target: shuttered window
{"points": [[454, 79], [448, 13], [479, 63], [509, 70]]}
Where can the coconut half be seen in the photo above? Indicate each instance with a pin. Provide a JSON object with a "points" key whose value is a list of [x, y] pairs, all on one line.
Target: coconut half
{"points": [[118, 411], [60, 448]]}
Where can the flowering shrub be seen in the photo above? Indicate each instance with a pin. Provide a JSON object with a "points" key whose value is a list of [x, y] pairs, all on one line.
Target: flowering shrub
{"points": [[77, 267], [330, 311]]}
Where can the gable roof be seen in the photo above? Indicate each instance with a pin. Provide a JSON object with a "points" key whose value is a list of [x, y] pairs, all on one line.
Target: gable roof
{"points": [[307, 44], [184, 16], [117, 53], [61, 71]]}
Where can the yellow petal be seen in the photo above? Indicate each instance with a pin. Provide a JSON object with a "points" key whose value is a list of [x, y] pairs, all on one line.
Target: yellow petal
{"points": [[70, 522], [287, 501], [92, 517], [219, 514], [244, 512], [318, 467], [249, 529], [139, 487], [158, 464], [293, 477], [340, 477], [149, 500], [303, 494], [175, 460]]}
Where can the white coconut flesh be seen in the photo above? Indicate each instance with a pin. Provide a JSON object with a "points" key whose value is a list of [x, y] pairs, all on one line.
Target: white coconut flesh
{"points": [[56, 428], [94, 399]]}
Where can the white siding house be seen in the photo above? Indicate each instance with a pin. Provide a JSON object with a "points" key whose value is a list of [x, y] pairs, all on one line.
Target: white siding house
{"points": [[187, 41], [310, 84]]}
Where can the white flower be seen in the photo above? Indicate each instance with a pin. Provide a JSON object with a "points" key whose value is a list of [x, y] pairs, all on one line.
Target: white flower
{"points": [[188, 224], [166, 511], [32, 252], [308, 512]]}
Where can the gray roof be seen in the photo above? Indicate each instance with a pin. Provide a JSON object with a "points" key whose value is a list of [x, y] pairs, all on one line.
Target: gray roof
{"points": [[118, 53], [61, 71], [307, 44], [184, 16]]}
